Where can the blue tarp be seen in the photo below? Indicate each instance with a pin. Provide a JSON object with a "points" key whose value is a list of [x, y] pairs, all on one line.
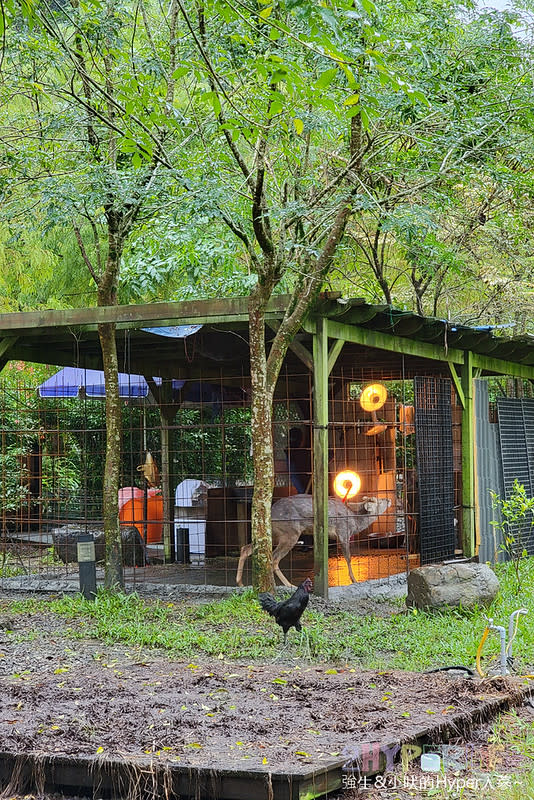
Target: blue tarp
{"points": [[69, 381], [174, 331]]}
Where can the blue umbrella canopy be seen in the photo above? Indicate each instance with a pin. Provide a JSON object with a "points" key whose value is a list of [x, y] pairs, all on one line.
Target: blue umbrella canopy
{"points": [[68, 382]]}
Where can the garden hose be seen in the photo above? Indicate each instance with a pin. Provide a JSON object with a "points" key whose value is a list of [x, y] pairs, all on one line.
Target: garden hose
{"points": [[459, 667], [480, 647]]}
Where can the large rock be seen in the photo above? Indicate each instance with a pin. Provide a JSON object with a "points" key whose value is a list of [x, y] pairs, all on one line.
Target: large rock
{"points": [[66, 539], [464, 584]]}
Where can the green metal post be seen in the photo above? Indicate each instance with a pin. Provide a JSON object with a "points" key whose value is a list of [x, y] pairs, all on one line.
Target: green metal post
{"points": [[320, 456], [468, 458]]}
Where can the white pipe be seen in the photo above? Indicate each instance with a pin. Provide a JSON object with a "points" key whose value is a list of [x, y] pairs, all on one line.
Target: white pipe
{"points": [[502, 634], [511, 632]]}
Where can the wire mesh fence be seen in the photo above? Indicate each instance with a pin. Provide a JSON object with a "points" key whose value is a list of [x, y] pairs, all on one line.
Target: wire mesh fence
{"points": [[185, 510]]}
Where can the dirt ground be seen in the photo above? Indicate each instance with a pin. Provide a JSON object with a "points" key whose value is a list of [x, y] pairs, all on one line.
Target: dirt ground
{"points": [[68, 695]]}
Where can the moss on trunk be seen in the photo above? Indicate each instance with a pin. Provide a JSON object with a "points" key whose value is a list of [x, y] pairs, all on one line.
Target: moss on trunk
{"points": [[114, 575], [262, 446]]}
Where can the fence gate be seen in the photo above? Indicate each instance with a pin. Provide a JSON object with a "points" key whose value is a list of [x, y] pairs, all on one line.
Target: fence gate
{"points": [[516, 433], [434, 450], [489, 473]]}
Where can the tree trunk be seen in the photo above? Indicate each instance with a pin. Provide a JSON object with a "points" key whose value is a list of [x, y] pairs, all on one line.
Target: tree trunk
{"points": [[262, 444], [264, 375], [107, 296], [114, 575]]}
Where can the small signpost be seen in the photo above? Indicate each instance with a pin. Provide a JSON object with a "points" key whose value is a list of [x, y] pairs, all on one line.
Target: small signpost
{"points": [[87, 565]]}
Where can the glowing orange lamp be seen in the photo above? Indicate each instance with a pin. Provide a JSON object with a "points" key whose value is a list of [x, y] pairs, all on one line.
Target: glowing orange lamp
{"points": [[347, 484], [372, 399]]}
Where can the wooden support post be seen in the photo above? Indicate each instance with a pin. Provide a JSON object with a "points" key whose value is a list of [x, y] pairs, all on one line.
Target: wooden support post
{"points": [[295, 346], [468, 456], [5, 346], [457, 383], [320, 457], [167, 412], [168, 504], [335, 350]]}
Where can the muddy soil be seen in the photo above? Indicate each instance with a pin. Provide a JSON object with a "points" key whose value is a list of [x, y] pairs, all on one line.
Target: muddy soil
{"points": [[65, 694], [485, 767]]}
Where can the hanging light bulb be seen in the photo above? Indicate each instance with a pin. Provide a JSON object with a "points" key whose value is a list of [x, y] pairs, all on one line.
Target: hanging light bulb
{"points": [[373, 397], [347, 484]]}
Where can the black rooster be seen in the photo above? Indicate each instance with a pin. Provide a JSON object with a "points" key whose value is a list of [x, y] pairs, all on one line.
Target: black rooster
{"points": [[288, 612]]}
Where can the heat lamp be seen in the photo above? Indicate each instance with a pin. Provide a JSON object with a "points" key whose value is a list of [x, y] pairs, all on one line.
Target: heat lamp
{"points": [[372, 399], [347, 484]]}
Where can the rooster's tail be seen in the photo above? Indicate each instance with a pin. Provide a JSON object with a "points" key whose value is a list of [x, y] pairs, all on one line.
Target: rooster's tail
{"points": [[268, 603]]}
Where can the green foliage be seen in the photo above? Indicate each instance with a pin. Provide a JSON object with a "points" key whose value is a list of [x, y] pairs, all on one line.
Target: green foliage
{"points": [[516, 521], [17, 252], [61, 481], [431, 233], [19, 428], [9, 568], [12, 11], [442, 204], [13, 474], [193, 257], [220, 452], [17, 376], [296, 74], [238, 628]]}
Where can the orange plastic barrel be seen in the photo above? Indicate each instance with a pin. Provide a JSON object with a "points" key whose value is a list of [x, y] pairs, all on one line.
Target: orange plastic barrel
{"points": [[131, 502]]}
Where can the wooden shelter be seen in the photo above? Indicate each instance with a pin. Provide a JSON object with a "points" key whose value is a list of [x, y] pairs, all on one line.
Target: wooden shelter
{"points": [[342, 346]]}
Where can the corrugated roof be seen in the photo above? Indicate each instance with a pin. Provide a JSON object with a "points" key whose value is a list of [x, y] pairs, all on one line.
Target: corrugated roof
{"points": [[486, 340], [69, 337]]}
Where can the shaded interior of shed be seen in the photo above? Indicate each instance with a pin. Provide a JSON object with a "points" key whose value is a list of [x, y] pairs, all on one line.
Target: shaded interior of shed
{"points": [[409, 453]]}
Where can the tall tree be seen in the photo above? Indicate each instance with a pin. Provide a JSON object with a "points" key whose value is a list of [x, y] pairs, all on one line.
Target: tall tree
{"points": [[264, 94], [287, 82], [87, 167], [438, 175]]}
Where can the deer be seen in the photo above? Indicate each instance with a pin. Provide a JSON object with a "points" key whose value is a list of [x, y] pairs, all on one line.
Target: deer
{"points": [[292, 517]]}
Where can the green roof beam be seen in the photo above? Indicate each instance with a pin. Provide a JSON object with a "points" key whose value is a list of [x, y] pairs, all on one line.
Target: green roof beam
{"points": [[385, 341], [501, 367], [295, 346]]}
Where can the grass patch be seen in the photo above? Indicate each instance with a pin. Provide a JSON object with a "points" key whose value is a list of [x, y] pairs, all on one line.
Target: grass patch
{"points": [[9, 568], [510, 747], [513, 734], [237, 628]]}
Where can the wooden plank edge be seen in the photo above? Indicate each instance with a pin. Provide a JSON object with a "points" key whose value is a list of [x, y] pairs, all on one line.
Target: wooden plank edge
{"points": [[147, 779], [456, 725]]}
